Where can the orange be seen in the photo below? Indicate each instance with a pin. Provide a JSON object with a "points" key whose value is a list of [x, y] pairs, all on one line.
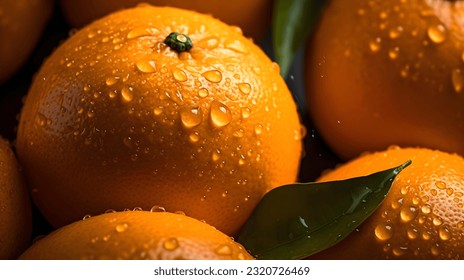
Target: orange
{"points": [[382, 73], [136, 235], [253, 17], [15, 207], [21, 25], [422, 217], [117, 119]]}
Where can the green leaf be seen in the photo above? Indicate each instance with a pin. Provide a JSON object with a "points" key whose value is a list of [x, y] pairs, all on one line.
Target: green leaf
{"points": [[293, 21], [298, 220]]}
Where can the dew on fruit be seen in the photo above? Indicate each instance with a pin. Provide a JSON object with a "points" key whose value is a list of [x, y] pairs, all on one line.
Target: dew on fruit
{"points": [[111, 81], [460, 225], [396, 203], [158, 110], [86, 217], [203, 92], [213, 76], [404, 190], [244, 88], [179, 75], [191, 116], [399, 251], [426, 235], [216, 155], [405, 71], [224, 250], [395, 32], [408, 213], [393, 53], [437, 221], [178, 212], [220, 114], [449, 191], [241, 160], [412, 233], [146, 66], [437, 33], [457, 79], [258, 129], [194, 137], [237, 46], [444, 233], [121, 227], [440, 185], [157, 208], [141, 32], [375, 44], [224, 194], [426, 209], [246, 112], [171, 244], [239, 133], [383, 231], [435, 250]]}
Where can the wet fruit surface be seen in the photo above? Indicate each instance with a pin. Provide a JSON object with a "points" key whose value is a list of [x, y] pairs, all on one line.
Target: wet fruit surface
{"points": [[383, 73], [422, 216], [135, 123], [137, 235]]}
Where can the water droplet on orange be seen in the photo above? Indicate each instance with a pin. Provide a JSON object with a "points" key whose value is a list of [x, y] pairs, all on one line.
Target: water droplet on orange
{"points": [[141, 31], [246, 112], [157, 208], [258, 129], [245, 87], [393, 53], [440, 184], [158, 110], [146, 66], [121, 227], [224, 250], [203, 92], [399, 251], [213, 76], [395, 32], [237, 46], [412, 233], [426, 209], [457, 79], [179, 75], [127, 94], [220, 114], [170, 244], [239, 133], [444, 233], [383, 231], [86, 217], [437, 33], [408, 213], [375, 44], [216, 155], [437, 221], [194, 137], [111, 81], [191, 116]]}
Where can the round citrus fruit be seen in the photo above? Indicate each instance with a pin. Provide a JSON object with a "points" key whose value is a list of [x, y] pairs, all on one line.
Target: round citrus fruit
{"points": [[383, 73], [123, 114], [21, 25], [137, 235], [422, 217], [252, 16], [15, 207]]}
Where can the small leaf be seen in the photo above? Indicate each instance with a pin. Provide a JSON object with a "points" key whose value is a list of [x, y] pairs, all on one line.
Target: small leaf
{"points": [[293, 21], [298, 220]]}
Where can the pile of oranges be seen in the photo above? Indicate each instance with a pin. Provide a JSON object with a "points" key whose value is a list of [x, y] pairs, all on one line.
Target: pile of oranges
{"points": [[152, 131]]}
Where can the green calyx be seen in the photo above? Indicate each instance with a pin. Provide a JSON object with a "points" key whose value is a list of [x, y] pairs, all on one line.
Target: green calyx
{"points": [[178, 42]]}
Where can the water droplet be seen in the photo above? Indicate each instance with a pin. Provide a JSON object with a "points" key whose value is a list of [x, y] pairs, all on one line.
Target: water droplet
{"points": [[435, 250], [374, 45], [460, 225], [176, 97], [246, 112], [397, 203], [111, 81], [146, 66], [241, 160], [434, 192], [239, 133], [220, 114], [179, 75], [140, 32], [404, 190], [127, 94], [194, 137], [237, 46], [191, 116], [437, 33], [449, 191], [437, 221], [383, 231], [405, 71], [224, 250], [224, 194], [157, 208], [121, 227], [178, 212], [457, 78], [399, 251], [426, 209], [440, 184], [393, 53], [412, 233], [444, 233], [396, 32], [407, 214], [86, 217], [426, 235], [203, 92], [244, 88], [213, 76], [258, 129], [216, 155], [171, 244]]}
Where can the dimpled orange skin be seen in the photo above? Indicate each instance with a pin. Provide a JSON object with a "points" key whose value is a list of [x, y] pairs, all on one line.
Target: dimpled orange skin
{"points": [[116, 119], [136, 235], [253, 17], [21, 25], [382, 73], [15, 207], [422, 216]]}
